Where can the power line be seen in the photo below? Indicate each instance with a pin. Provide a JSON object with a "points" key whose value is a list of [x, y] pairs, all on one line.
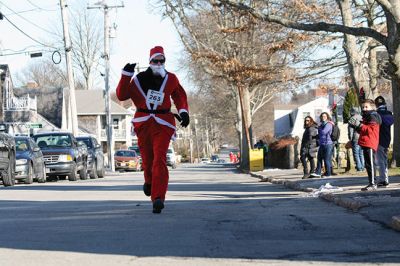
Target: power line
{"points": [[16, 13], [40, 8], [15, 26]]}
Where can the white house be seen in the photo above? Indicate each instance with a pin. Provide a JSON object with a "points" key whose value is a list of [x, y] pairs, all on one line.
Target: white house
{"points": [[289, 119]]}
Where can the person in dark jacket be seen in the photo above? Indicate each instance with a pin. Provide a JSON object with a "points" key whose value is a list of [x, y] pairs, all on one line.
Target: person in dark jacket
{"points": [[325, 145], [384, 141], [309, 147], [369, 138], [353, 137]]}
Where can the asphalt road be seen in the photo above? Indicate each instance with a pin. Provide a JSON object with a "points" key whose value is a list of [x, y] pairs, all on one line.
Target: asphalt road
{"points": [[213, 216]]}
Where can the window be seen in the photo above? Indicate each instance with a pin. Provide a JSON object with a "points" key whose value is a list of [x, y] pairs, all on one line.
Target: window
{"points": [[306, 114], [115, 123]]}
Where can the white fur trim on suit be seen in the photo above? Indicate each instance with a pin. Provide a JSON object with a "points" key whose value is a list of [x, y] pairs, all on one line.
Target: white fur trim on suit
{"points": [[154, 55], [182, 110], [126, 73]]}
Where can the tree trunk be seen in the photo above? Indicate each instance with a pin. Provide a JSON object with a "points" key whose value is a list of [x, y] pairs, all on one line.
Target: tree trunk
{"points": [[358, 75], [396, 113], [246, 132]]}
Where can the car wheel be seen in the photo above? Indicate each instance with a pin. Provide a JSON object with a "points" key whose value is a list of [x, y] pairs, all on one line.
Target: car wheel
{"points": [[83, 174], [29, 178], [42, 177], [101, 173], [174, 166], [73, 175], [9, 178], [93, 173]]}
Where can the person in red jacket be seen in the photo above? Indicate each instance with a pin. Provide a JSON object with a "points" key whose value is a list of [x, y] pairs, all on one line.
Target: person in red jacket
{"points": [[151, 92], [369, 138]]}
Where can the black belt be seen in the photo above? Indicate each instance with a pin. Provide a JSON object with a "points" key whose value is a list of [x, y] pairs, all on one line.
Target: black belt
{"points": [[147, 111]]}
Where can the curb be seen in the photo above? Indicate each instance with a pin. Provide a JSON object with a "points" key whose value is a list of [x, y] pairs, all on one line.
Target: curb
{"points": [[289, 184], [347, 203]]}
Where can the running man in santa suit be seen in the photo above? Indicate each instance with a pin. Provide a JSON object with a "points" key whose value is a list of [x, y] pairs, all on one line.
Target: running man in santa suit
{"points": [[151, 92]]}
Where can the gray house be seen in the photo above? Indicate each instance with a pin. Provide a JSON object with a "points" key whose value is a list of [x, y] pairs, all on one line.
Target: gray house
{"points": [[92, 118]]}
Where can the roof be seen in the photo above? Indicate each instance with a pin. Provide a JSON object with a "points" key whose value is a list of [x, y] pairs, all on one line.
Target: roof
{"points": [[286, 106], [91, 102]]}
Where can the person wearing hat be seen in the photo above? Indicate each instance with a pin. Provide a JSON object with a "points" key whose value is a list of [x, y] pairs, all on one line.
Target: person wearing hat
{"points": [[353, 136], [151, 92], [384, 141]]}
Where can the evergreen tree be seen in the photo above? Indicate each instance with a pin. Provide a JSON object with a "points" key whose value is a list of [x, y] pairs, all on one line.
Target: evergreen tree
{"points": [[351, 100]]}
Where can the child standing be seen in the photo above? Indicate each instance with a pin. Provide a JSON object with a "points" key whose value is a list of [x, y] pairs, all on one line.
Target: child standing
{"points": [[369, 138]]}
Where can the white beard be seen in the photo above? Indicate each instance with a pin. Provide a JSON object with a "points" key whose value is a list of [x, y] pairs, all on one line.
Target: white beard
{"points": [[158, 70]]}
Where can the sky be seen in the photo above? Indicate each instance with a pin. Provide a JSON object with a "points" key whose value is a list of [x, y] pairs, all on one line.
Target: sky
{"points": [[139, 28]]}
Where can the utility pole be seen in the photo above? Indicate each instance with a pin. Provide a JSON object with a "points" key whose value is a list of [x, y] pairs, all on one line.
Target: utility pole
{"points": [[106, 56], [195, 134], [73, 117]]}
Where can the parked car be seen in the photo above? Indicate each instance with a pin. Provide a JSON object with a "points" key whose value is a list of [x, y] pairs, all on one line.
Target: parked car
{"points": [[29, 161], [205, 160], [95, 157], [7, 157], [127, 160], [62, 156], [171, 158]]}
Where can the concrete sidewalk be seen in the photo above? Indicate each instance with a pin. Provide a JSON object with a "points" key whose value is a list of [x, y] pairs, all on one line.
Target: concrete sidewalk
{"points": [[381, 206]]}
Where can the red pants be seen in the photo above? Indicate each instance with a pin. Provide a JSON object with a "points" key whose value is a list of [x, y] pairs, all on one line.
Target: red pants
{"points": [[153, 141]]}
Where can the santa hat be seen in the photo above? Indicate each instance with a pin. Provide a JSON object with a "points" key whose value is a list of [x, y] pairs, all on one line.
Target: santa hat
{"points": [[155, 51]]}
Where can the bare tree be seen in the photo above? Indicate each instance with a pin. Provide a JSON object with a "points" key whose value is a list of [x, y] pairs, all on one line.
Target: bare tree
{"points": [[232, 47], [86, 38], [44, 73], [388, 11]]}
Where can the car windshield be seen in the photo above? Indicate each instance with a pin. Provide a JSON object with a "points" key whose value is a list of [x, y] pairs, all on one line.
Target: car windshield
{"points": [[47, 141], [125, 153], [136, 149], [21, 145], [170, 151], [86, 141]]}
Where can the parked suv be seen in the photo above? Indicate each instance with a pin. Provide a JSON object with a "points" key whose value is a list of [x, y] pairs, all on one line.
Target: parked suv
{"points": [[62, 155], [7, 157], [95, 157]]}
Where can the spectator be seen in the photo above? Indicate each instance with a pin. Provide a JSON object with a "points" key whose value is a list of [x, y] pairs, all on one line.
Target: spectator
{"points": [[384, 141], [325, 146], [369, 138], [353, 138], [262, 145], [309, 146]]}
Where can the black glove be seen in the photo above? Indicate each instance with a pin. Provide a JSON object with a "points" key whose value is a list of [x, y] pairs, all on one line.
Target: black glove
{"points": [[185, 119], [129, 68]]}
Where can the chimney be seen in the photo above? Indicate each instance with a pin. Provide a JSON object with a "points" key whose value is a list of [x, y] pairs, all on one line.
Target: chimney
{"points": [[31, 85]]}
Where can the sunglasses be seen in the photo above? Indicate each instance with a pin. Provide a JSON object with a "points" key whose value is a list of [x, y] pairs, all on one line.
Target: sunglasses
{"points": [[156, 61]]}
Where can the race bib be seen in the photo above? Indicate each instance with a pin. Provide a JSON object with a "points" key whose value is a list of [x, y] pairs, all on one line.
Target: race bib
{"points": [[155, 97]]}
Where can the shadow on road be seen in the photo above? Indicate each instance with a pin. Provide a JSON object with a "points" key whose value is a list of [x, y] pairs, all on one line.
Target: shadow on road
{"points": [[235, 219]]}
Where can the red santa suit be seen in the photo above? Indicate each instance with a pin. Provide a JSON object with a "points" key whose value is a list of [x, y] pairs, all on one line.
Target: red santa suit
{"points": [[153, 122]]}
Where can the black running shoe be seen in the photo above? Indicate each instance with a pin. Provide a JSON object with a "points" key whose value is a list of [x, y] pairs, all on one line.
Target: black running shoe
{"points": [[383, 184], [147, 189], [158, 205]]}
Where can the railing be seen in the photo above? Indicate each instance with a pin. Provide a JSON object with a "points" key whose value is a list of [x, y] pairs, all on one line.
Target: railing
{"points": [[117, 134], [24, 103]]}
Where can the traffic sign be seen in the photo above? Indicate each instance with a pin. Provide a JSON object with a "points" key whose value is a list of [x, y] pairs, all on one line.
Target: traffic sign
{"points": [[36, 125]]}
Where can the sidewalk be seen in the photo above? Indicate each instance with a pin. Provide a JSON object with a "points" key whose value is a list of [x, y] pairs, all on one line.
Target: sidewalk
{"points": [[381, 206]]}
